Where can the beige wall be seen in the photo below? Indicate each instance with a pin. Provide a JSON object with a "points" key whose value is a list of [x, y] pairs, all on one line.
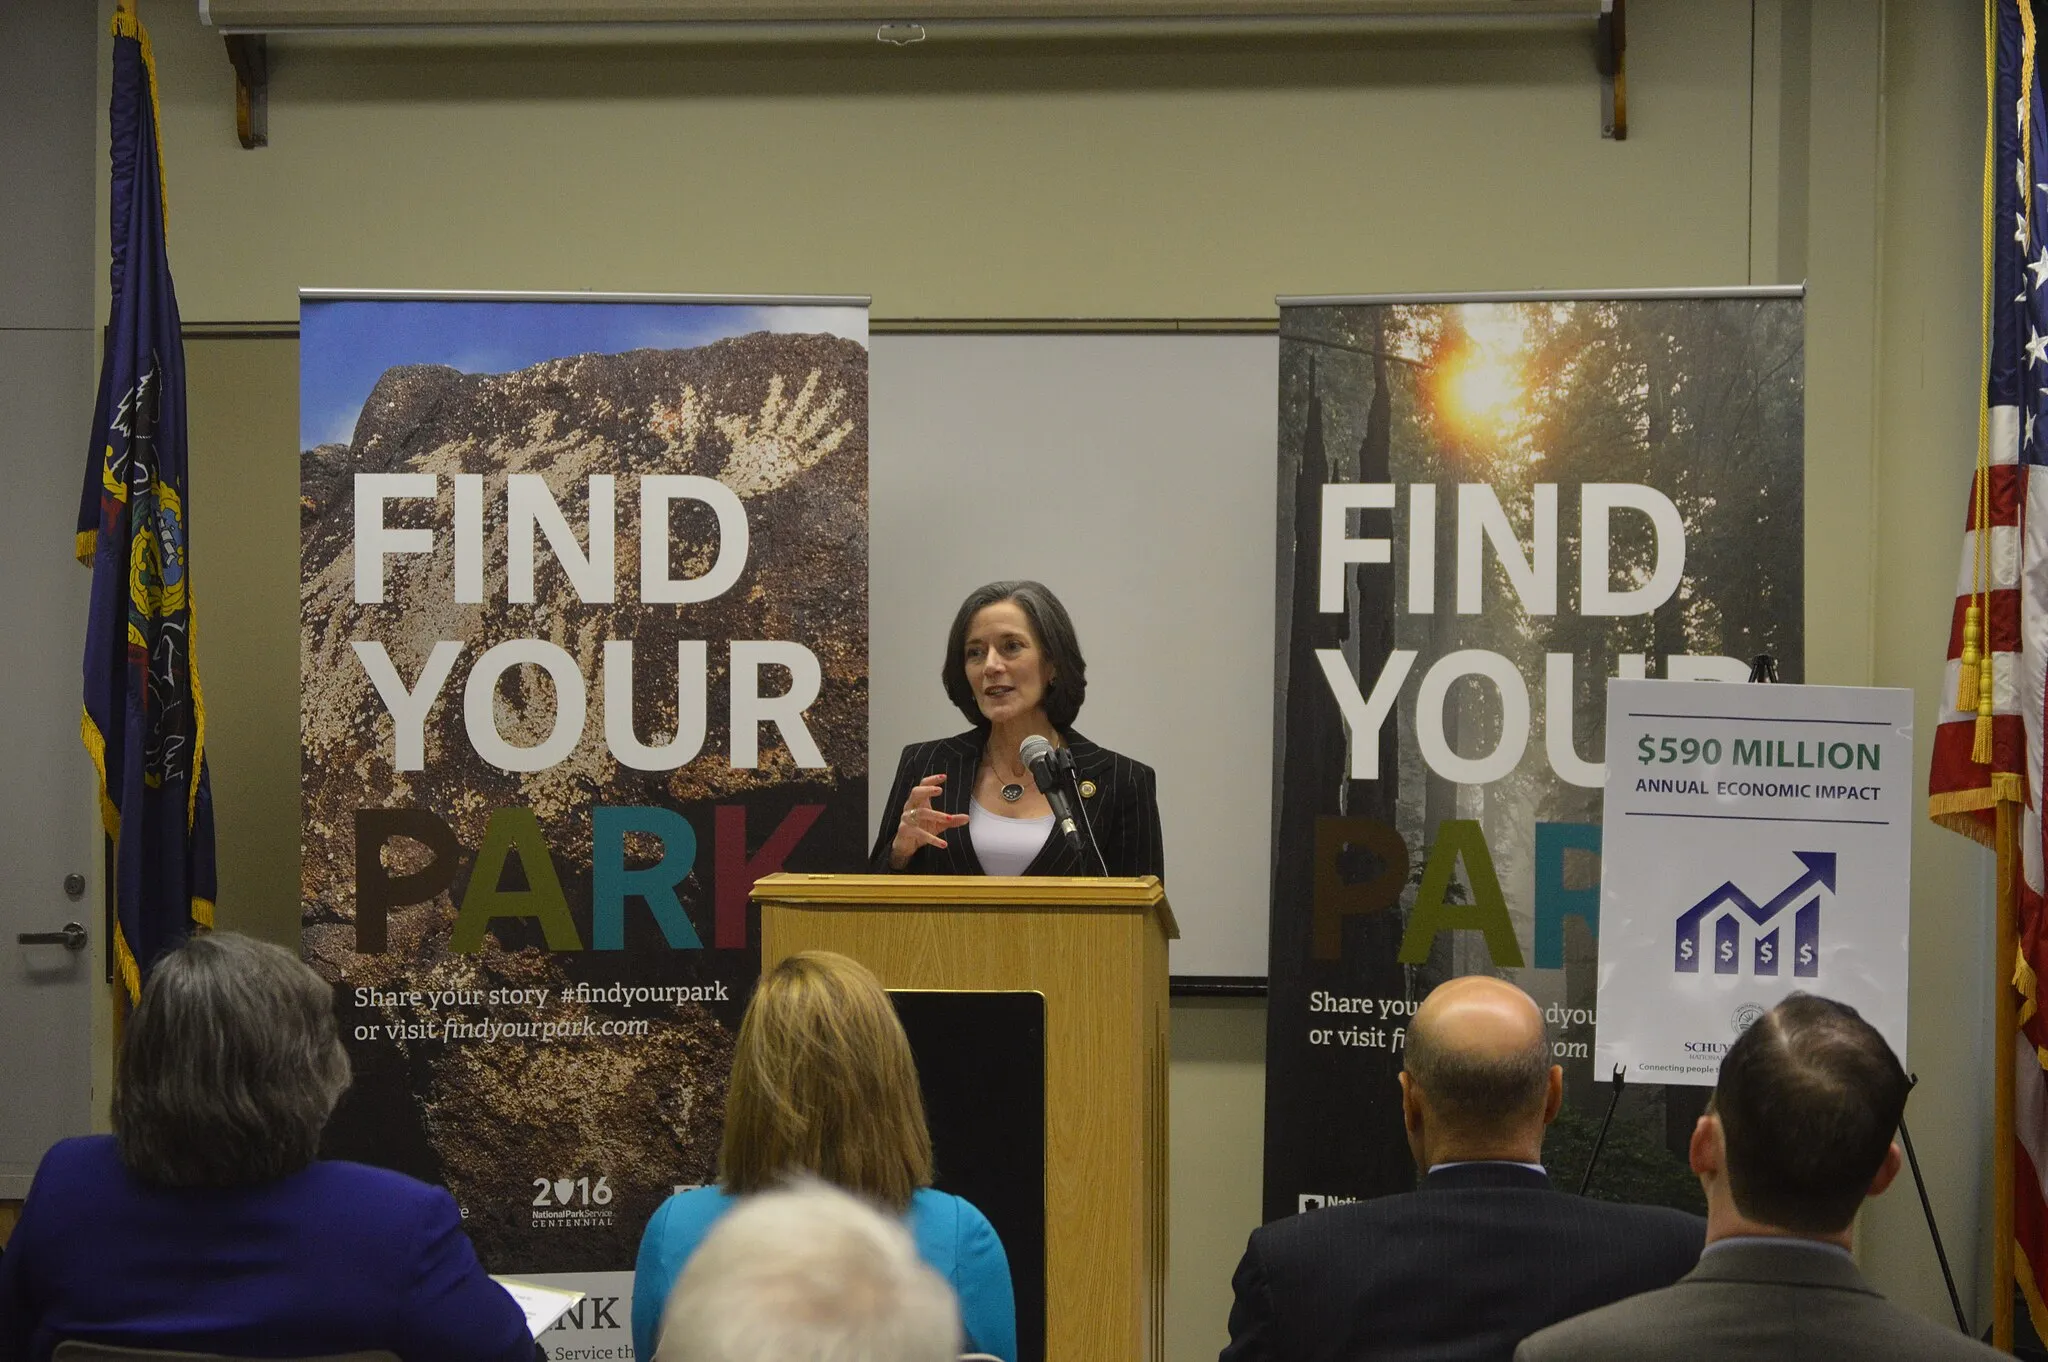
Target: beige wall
{"points": [[245, 500], [1925, 409], [1089, 179], [1769, 142]]}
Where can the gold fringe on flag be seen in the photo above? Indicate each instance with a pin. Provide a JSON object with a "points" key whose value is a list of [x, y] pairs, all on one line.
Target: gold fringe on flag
{"points": [[128, 24]]}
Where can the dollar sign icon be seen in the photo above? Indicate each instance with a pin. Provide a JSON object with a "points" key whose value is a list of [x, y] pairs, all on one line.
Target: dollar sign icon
{"points": [[1806, 955], [1727, 950], [1765, 952], [1645, 748], [1685, 950]]}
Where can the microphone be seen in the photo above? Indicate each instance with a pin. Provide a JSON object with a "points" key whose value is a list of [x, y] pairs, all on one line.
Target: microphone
{"points": [[1042, 759], [1052, 771]]}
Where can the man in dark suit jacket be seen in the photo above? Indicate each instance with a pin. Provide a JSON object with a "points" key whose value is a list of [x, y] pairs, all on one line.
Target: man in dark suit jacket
{"points": [[1800, 1133], [1485, 1250]]}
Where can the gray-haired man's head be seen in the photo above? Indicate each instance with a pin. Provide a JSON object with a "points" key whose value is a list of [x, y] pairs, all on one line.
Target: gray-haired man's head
{"points": [[809, 1272]]}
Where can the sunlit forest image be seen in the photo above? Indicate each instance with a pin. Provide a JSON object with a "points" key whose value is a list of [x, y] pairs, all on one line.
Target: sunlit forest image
{"points": [[1523, 405]]}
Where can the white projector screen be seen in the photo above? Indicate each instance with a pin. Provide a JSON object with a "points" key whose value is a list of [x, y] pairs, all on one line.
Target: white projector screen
{"points": [[1135, 475]]}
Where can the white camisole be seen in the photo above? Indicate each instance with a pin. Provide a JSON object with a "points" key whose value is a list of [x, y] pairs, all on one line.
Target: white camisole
{"points": [[1005, 846]]}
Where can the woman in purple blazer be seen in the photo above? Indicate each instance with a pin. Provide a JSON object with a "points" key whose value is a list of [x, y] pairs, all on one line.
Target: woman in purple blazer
{"points": [[205, 1224]]}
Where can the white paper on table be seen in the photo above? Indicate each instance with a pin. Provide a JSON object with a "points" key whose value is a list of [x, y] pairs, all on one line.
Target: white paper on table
{"points": [[543, 1304]]}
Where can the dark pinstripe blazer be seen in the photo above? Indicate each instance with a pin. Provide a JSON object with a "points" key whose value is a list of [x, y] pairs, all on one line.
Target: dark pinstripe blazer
{"points": [[1460, 1270], [1124, 811]]}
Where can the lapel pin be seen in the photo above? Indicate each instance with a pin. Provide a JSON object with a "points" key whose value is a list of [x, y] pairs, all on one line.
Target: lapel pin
{"points": [[1087, 789]]}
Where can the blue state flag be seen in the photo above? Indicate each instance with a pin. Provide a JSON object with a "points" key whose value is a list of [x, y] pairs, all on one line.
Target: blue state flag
{"points": [[144, 723]]}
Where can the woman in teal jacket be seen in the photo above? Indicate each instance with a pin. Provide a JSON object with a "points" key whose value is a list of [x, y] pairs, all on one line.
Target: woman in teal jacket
{"points": [[823, 1083]]}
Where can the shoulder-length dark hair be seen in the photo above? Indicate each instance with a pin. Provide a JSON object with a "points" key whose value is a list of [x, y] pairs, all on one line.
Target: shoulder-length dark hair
{"points": [[1067, 674], [823, 1083], [230, 1066]]}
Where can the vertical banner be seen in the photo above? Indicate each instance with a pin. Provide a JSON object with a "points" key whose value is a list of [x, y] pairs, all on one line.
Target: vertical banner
{"points": [[583, 655], [1758, 841], [1488, 507]]}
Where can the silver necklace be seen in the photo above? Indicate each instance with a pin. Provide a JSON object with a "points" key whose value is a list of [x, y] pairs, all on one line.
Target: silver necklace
{"points": [[1012, 791]]}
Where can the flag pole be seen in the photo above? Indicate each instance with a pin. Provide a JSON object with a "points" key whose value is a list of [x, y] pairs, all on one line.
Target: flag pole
{"points": [[2006, 1022]]}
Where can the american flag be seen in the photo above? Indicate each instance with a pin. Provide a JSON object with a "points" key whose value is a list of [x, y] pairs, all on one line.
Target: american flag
{"points": [[1988, 747]]}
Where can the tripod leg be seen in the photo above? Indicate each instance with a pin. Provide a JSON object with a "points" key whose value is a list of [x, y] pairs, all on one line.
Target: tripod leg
{"points": [[1620, 1077], [1927, 1209]]}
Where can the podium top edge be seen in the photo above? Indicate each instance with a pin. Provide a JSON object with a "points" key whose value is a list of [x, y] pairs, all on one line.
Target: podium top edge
{"points": [[1083, 893]]}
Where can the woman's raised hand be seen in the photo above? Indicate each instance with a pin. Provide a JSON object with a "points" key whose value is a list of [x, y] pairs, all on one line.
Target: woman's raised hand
{"points": [[920, 823]]}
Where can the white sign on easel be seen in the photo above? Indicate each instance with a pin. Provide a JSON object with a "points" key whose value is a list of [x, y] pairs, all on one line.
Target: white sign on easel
{"points": [[1755, 842]]}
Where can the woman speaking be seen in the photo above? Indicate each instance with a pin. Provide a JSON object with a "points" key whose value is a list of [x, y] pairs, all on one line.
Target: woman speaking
{"points": [[1014, 668]]}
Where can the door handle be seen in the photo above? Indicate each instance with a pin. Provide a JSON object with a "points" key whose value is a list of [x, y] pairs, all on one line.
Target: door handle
{"points": [[71, 937]]}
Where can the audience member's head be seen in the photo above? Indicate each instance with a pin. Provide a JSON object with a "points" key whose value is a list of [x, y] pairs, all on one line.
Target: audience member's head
{"points": [[808, 1274], [823, 1083], [229, 1066], [1477, 1081], [1801, 1127]]}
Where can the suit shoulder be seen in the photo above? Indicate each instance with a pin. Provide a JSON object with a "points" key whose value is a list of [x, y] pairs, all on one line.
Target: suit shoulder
{"points": [[1310, 1231], [920, 753], [367, 1191], [1137, 770], [940, 1218], [930, 1201], [1127, 764], [1663, 1222], [80, 1158], [84, 1170], [1097, 758], [1644, 1325], [1637, 1326], [1895, 1331], [689, 1216]]}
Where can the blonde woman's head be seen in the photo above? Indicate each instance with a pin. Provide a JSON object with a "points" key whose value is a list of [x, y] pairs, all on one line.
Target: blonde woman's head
{"points": [[823, 1083]]}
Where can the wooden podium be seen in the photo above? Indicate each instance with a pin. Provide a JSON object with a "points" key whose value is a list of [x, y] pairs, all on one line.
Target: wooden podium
{"points": [[1096, 950]]}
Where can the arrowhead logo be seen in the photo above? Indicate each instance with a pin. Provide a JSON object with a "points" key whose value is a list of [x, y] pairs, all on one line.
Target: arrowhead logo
{"points": [[1721, 907], [1820, 868], [563, 1187]]}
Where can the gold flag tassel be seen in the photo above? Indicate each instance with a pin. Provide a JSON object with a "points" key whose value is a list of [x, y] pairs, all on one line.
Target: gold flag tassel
{"points": [[1980, 748], [1973, 638]]}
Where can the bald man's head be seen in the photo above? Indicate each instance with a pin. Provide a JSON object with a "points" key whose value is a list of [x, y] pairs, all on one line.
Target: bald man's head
{"points": [[1478, 1067]]}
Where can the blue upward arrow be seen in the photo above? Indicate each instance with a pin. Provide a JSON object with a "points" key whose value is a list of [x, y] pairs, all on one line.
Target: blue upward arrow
{"points": [[1820, 869]]}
